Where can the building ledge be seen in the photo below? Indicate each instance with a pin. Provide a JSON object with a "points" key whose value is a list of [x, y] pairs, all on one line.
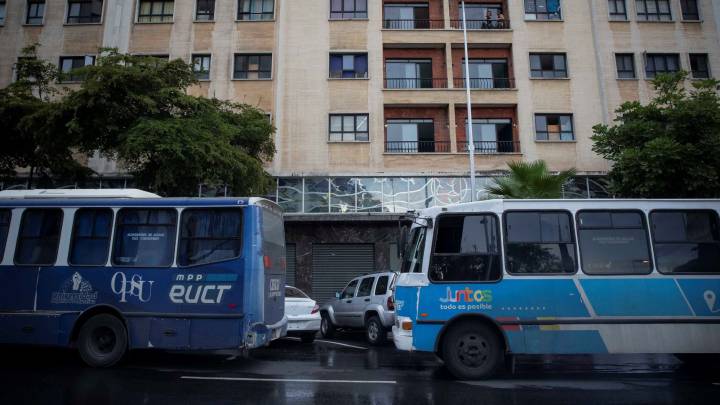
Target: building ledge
{"points": [[344, 217]]}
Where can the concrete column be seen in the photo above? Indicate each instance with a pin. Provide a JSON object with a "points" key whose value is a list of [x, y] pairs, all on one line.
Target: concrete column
{"points": [[446, 13], [452, 128]]}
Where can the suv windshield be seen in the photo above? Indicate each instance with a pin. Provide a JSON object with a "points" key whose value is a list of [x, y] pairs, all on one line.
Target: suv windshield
{"points": [[412, 257]]}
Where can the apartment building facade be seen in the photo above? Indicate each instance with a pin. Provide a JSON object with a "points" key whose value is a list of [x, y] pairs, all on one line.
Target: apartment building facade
{"points": [[368, 96]]}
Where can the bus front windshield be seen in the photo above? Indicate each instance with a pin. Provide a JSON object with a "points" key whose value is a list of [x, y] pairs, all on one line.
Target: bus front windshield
{"points": [[413, 252]]}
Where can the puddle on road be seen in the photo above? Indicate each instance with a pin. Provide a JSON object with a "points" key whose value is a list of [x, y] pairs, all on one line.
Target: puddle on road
{"points": [[584, 385]]}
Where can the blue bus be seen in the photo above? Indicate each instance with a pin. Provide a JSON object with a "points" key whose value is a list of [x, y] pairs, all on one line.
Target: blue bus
{"points": [[111, 271], [483, 281]]}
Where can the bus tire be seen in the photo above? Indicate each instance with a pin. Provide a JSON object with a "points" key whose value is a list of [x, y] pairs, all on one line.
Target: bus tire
{"points": [[102, 341], [375, 331], [327, 329], [472, 351]]}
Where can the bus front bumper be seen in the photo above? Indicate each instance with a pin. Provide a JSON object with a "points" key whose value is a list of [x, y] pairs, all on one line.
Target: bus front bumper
{"points": [[261, 334], [401, 337]]}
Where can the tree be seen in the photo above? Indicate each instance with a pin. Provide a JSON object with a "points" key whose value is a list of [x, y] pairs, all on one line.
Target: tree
{"points": [[530, 180], [669, 148]]}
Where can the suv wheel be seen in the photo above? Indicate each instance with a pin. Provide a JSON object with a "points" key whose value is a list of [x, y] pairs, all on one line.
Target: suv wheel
{"points": [[375, 331], [327, 329]]}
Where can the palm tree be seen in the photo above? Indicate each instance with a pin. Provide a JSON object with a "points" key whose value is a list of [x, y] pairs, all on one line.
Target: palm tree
{"points": [[530, 180]]}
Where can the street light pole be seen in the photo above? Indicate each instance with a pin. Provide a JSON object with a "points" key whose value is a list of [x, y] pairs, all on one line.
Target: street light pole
{"points": [[468, 125]]}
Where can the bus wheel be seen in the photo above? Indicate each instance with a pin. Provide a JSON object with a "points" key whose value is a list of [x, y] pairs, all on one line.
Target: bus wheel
{"points": [[472, 351], [375, 331], [102, 341], [327, 329]]}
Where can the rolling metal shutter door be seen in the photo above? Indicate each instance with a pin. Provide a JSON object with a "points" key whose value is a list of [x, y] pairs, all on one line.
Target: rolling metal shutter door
{"points": [[334, 265], [290, 266]]}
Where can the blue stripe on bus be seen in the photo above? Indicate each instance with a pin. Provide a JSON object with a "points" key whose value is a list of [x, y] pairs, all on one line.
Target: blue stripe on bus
{"points": [[703, 295], [221, 277], [635, 297]]}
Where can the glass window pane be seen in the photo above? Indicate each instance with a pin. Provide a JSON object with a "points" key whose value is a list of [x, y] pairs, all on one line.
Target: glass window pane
{"points": [[5, 215], [39, 236], [365, 287], [349, 123], [336, 123], [609, 249], [90, 242], [361, 123], [209, 235], [145, 237], [381, 285]]}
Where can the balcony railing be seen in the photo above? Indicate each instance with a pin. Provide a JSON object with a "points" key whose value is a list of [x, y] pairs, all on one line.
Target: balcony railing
{"points": [[416, 83], [417, 146], [492, 147], [486, 83], [414, 24], [485, 24]]}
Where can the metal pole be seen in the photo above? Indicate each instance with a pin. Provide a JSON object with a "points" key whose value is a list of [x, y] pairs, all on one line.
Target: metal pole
{"points": [[468, 125]]}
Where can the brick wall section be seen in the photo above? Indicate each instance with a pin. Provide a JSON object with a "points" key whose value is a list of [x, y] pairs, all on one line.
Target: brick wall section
{"points": [[436, 54], [435, 9], [498, 112], [458, 54], [439, 115], [455, 7]]}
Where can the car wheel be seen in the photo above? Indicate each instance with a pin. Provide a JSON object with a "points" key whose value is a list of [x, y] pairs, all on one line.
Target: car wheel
{"points": [[327, 329], [472, 351], [308, 337], [102, 341], [375, 331]]}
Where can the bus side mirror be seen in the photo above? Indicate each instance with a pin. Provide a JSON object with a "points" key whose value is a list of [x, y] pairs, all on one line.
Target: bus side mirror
{"points": [[337, 295]]}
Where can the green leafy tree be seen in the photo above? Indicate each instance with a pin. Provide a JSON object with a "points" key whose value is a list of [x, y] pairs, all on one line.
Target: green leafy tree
{"points": [[530, 180], [669, 148]]}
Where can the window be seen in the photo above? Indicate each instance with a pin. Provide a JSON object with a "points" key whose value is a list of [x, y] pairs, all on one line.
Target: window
{"points": [[407, 16], [690, 10], [653, 10], [205, 10], [348, 9], [617, 10], [466, 249], [84, 11], [255, 10], [365, 287], [201, 66], [35, 12], [699, 66], [209, 235], [414, 251], [481, 16], [625, 63], [539, 242], [39, 236], [656, 63], [349, 128], [2, 14], [554, 127], [491, 135], [348, 65], [686, 241], [252, 66], [487, 74], [154, 11], [408, 73], [411, 136], [349, 291], [68, 64], [548, 65], [382, 285], [5, 216], [542, 10], [292, 292], [145, 237], [90, 241], [613, 242]]}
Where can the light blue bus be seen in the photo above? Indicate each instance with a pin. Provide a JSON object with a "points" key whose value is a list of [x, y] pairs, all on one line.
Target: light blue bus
{"points": [[493, 278], [108, 271]]}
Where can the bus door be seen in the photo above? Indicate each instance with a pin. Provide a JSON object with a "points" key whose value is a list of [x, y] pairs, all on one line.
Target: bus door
{"points": [[273, 251]]}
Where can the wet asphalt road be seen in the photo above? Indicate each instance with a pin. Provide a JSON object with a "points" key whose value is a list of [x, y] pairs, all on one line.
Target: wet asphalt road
{"points": [[344, 371]]}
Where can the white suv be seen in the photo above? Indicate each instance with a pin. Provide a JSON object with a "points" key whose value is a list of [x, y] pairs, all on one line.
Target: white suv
{"points": [[365, 303]]}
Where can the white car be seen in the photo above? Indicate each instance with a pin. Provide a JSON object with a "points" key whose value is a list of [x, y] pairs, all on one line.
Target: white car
{"points": [[303, 314]]}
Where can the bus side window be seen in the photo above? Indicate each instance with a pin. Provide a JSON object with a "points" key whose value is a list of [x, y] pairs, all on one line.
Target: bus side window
{"points": [[686, 241], [145, 237], [613, 242], [5, 216], [466, 249], [540, 242], [210, 235], [39, 236], [90, 241]]}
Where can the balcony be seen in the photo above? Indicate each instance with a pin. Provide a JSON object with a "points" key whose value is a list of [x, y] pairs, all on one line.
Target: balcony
{"points": [[400, 83], [492, 147], [482, 24], [486, 83], [417, 147], [413, 24]]}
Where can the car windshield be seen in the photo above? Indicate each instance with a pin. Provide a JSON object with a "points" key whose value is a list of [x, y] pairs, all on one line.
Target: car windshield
{"points": [[413, 253]]}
